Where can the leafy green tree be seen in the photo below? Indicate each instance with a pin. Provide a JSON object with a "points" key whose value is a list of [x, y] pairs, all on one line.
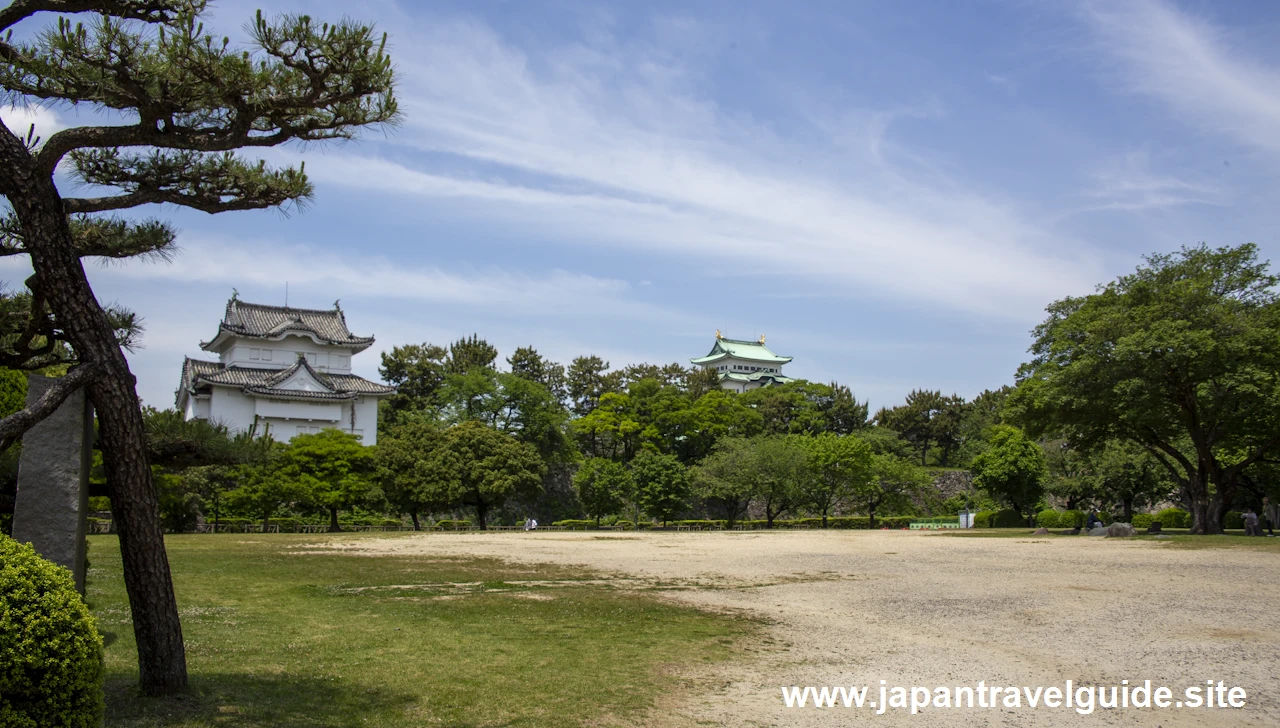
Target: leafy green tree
{"points": [[1012, 470], [333, 467], [412, 469], [947, 427], [662, 485], [715, 415], [470, 353], [844, 413], [893, 482], [1070, 474], [527, 363], [803, 407], [721, 480], [698, 381], [487, 466], [980, 414], [181, 102], [840, 466], [774, 469], [1178, 357], [1130, 477], [520, 407], [921, 419], [417, 371], [266, 490], [589, 379], [602, 486]]}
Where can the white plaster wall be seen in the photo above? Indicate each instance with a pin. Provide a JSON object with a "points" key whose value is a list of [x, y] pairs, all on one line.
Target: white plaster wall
{"points": [[366, 420], [284, 353], [199, 406], [326, 412], [230, 407]]}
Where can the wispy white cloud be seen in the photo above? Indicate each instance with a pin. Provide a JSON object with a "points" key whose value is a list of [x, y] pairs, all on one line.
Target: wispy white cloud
{"points": [[1132, 185], [615, 144], [267, 264], [1189, 63]]}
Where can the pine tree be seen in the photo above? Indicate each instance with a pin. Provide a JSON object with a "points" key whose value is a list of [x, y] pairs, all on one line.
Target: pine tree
{"points": [[188, 101]]}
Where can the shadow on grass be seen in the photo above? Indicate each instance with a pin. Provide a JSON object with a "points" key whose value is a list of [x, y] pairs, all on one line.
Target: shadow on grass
{"points": [[237, 700]]}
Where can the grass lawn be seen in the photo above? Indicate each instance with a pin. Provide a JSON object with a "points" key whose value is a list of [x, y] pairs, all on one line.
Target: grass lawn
{"points": [[1178, 538], [281, 637]]}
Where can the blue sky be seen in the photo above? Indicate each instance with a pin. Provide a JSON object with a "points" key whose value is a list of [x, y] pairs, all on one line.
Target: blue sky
{"points": [[892, 192]]}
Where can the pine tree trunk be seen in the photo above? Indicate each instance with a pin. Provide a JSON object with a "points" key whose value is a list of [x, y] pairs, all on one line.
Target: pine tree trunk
{"points": [[134, 503], [334, 526], [413, 515], [482, 510]]}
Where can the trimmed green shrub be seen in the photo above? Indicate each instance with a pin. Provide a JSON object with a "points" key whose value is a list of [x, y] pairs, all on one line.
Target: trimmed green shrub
{"points": [[1072, 519], [1143, 520], [575, 524], [1049, 519], [1233, 520], [447, 525], [50, 650], [1174, 518]]}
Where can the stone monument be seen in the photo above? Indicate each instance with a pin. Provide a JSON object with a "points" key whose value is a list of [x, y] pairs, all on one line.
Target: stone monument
{"points": [[52, 502]]}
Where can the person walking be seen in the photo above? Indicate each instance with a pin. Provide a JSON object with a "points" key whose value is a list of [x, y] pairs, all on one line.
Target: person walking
{"points": [[1250, 523]]}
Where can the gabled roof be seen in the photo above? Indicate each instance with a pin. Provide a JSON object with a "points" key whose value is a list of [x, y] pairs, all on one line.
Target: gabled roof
{"points": [[199, 376], [755, 377], [737, 349], [261, 321]]}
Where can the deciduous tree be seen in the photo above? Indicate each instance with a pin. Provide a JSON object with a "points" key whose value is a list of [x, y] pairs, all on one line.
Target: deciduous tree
{"points": [[603, 486], [1179, 357], [662, 485], [334, 468], [488, 468], [1012, 469], [840, 467]]}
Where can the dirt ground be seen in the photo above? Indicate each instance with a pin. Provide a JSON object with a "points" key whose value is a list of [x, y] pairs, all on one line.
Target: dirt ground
{"points": [[854, 608]]}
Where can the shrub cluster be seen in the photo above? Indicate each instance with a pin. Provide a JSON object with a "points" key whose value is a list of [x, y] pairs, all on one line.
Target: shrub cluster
{"points": [[1061, 519], [1143, 520], [448, 525], [1174, 518], [50, 650]]}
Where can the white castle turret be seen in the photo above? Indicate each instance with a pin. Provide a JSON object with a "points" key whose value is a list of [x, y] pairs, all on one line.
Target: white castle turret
{"points": [[282, 371]]}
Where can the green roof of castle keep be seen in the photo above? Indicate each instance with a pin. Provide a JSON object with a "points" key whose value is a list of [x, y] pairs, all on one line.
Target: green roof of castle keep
{"points": [[749, 350]]}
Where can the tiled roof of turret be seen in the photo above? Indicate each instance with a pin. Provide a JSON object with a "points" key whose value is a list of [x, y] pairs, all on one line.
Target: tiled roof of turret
{"points": [[737, 349], [262, 321], [755, 377], [198, 376]]}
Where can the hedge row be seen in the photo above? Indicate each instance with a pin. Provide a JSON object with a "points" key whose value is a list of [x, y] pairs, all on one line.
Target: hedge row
{"points": [[1168, 518], [1062, 519], [855, 522]]}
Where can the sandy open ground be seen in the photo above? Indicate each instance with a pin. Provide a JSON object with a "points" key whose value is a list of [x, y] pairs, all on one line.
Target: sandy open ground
{"points": [[855, 608]]}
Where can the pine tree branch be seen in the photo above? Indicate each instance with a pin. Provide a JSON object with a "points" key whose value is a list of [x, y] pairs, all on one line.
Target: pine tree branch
{"points": [[102, 237], [151, 11], [212, 183], [16, 424], [302, 81]]}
